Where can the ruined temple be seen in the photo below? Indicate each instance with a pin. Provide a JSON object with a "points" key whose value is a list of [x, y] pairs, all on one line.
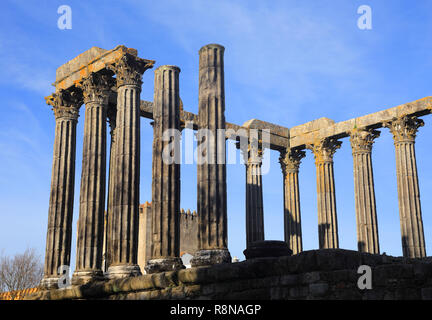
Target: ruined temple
{"points": [[108, 84]]}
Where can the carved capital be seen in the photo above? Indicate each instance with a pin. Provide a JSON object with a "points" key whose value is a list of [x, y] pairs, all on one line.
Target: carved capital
{"points": [[253, 154], [404, 128], [97, 87], [290, 160], [324, 149], [363, 139], [129, 69], [66, 103]]}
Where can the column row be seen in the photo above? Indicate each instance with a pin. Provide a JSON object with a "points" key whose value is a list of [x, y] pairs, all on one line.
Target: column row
{"points": [[404, 130], [123, 189]]}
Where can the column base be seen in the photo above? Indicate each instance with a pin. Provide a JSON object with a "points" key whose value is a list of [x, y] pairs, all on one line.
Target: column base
{"points": [[85, 276], [210, 256], [49, 282], [164, 264], [267, 248], [123, 271]]}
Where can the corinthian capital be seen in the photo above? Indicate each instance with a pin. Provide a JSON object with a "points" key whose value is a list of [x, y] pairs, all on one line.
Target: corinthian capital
{"points": [[363, 139], [97, 87], [253, 154], [324, 149], [404, 128], [290, 160], [129, 69], [66, 103]]}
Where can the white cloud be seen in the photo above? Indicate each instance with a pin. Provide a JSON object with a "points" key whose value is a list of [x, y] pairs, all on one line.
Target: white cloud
{"points": [[281, 54]]}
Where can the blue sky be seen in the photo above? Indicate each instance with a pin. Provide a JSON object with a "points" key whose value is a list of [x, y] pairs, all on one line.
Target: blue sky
{"points": [[286, 62]]}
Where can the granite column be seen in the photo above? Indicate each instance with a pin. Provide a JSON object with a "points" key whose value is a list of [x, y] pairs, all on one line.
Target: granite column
{"points": [[123, 220], [66, 104], [290, 163], [96, 89], [212, 193], [404, 130], [366, 216], [165, 249], [323, 151]]}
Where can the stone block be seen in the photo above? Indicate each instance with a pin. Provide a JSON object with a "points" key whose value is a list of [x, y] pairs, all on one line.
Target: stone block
{"points": [[310, 277], [318, 289], [289, 280], [299, 292], [426, 293]]}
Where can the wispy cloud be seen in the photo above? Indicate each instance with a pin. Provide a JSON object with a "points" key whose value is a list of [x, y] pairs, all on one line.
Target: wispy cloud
{"points": [[280, 54]]}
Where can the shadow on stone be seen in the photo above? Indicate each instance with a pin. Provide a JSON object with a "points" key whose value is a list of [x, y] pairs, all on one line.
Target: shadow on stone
{"points": [[266, 249]]}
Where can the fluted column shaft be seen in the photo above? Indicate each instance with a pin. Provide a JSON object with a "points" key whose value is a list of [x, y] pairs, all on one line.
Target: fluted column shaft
{"points": [[365, 204], [96, 90], [212, 193], [327, 216], [111, 114], [59, 232], [165, 207], [254, 196], [290, 163], [404, 130], [123, 222]]}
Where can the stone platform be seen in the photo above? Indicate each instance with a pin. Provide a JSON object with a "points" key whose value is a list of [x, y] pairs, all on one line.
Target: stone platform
{"points": [[315, 274]]}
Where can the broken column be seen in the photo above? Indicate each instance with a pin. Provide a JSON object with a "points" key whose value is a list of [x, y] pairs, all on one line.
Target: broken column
{"points": [[66, 104], [165, 253], [323, 151], [212, 193], [123, 220], [290, 163], [254, 193], [404, 130], [96, 89], [366, 216]]}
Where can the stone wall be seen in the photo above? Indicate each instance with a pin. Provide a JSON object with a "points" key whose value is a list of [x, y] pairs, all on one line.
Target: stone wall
{"points": [[316, 274], [188, 233]]}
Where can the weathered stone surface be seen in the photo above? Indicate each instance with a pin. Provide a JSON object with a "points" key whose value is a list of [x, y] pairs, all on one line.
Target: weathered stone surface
{"points": [[122, 244], [254, 193], [209, 257], [165, 239], [268, 248], [366, 216], [96, 90], [404, 130], [211, 168], [333, 277], [323, 151], [59, 232], [290, 163], [302, 136]]}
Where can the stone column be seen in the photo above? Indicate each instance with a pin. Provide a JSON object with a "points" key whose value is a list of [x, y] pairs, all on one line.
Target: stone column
{"points": [[290, 163], [323, 151], [366, 216], [96, 89], [111, 114], [145, 234], [254, 194], [404, 130], [165, 254], [59, 233], [123, 221], [212, 194]]}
